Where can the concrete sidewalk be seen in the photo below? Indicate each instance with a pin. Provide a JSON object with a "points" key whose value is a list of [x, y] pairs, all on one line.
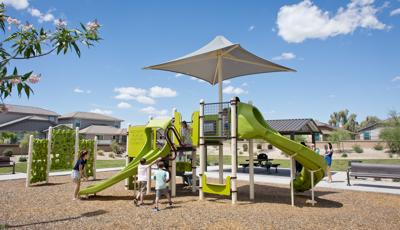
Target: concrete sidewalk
{"points": [[339, 180]]}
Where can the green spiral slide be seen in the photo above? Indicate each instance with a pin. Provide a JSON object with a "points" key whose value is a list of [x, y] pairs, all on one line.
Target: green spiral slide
{"points": [[151, 155], [251, 125]]}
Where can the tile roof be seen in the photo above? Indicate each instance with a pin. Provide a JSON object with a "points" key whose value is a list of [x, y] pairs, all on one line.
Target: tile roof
{"points": [[101, 130], [32, 118], [89, 116], [29, 110], [288, 126]]}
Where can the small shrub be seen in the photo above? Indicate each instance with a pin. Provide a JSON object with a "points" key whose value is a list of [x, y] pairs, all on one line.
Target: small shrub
{"points": [[378, 147], [111, 155], [390, 155], [259, 146], [115, 147], [8, 152], [245, 147], [100, 152], [344, 155], [357, 149], [23, 159]]}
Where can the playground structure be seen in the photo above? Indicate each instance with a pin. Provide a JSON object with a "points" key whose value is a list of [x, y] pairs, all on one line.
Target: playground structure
{"points": [[211, 125], [59, 151], [246, 122]]}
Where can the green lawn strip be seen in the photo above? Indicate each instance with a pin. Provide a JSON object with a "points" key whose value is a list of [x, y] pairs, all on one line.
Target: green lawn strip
{"points": [[21, 166]]}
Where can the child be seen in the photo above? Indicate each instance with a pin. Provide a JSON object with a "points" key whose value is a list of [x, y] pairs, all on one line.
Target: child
{"points": [[142, 179], [328, 159], [186, 137], [161, 176], [78, 172]]}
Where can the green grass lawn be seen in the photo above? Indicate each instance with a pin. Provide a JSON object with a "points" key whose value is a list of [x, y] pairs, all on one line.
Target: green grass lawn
{"points": [[21, 166], [337, 165]]}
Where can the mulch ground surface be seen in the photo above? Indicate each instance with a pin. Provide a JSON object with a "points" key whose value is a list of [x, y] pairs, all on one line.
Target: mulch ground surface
{"points": [[51, 207]]}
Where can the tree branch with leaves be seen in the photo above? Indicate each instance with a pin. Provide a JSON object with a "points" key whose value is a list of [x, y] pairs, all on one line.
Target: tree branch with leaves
{"points": [[24, 42]]}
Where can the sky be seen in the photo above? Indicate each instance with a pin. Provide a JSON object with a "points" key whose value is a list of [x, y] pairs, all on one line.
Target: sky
{"points": [[346, 54]]}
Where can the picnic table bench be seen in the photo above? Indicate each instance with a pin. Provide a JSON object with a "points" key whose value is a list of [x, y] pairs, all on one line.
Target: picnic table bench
{"points": [[367, 170], [6, 162], [262, 160]]}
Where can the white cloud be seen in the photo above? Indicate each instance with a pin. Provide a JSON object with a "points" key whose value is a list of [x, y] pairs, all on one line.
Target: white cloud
{"points": [[145, 100], [153, 111], [251, 28], [157, 91], [178, 75], [285, 56], [226, 82], [79, 90], [124, 105], [395, 12], [306, 20], [101, 111], [130, 91], [233, 90], [47, 17], [17, 4], [397, 78]]}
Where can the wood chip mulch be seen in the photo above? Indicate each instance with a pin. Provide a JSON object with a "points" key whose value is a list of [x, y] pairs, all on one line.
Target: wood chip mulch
{"points": [[51, 207]]}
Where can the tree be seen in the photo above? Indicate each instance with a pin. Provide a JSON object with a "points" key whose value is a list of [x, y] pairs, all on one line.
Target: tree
{"points": [[27, 42], [338, 136], [369, 120], [343, 119], [391, 133]]}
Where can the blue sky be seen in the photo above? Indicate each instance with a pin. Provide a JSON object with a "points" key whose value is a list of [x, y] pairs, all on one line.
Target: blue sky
{"points": [[346, 54]]}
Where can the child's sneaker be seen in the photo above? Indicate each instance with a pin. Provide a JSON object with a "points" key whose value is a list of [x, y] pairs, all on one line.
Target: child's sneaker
{"points": [[135, 202], [155, 209], [169, 205]]}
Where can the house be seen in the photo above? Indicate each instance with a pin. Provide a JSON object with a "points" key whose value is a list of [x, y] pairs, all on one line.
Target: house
{"points": [[105, 127], [20, 119], [371, 132], [326, 131]]}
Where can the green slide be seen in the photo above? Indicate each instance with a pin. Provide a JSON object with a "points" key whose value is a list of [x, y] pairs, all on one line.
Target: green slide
{"points": [[151, 155], [251, 125]]}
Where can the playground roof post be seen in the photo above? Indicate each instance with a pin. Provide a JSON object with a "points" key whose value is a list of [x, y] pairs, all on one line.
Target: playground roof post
{"points": [[220, 60]]}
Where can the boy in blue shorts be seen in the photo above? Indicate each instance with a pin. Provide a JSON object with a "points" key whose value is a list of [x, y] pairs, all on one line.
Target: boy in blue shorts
{"points": [[161, 176]]}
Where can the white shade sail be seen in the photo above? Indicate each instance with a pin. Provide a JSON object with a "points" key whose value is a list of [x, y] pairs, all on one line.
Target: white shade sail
{"points": [[220, 60]]}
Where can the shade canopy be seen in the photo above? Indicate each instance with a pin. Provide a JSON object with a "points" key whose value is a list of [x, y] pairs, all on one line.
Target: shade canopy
{"points": [[220, 60]]}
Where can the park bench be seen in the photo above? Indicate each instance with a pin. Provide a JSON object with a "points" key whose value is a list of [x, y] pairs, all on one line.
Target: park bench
{"points": [[6, 162], [381, 171]]}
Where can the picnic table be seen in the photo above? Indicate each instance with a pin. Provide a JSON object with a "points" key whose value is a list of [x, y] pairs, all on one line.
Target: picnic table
{"points": [[262, 160]]}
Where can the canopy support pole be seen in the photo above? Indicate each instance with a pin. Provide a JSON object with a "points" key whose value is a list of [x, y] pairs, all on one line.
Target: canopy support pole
{"points": [[292, 175], [234, 150], [221, 128], [251, 166], [202, 149]]}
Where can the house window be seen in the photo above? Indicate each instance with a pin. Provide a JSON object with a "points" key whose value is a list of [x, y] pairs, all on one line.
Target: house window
{"points": [[317, 137], [100, 137], [78, 123], [367, 135], [52, 118]]}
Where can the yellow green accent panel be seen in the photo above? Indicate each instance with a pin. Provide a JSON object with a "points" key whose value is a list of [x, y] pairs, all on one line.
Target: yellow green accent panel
{"points": [[195, 128], [136, 139], [219, 189], [251, 125], [177, 124]]}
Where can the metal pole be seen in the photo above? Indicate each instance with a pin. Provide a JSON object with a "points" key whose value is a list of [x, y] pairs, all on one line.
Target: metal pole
{"points": [[148, 191], [173, 169], [221, 125], [312, 188], [292, 164], [202, 148], [94, 157], [234, 150], [251, 167], [49, 134], [28, 169]]}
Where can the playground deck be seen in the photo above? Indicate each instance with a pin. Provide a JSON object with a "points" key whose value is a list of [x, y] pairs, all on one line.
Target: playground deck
{"points": [[51, 207]]}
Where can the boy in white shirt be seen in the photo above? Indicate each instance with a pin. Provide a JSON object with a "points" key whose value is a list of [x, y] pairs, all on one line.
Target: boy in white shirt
{"points": [[142, 179]]}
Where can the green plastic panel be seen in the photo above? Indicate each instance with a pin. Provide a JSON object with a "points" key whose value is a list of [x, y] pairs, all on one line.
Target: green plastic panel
{"points": [[88, 145], [39, 161], [62, 149], [136, 140], [195, 128], [251, 125], [177, 124], [219, 189], [183, 166]]}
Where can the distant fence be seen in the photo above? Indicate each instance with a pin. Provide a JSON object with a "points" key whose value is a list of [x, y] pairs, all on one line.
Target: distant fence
{"points": [[367, 144]]}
